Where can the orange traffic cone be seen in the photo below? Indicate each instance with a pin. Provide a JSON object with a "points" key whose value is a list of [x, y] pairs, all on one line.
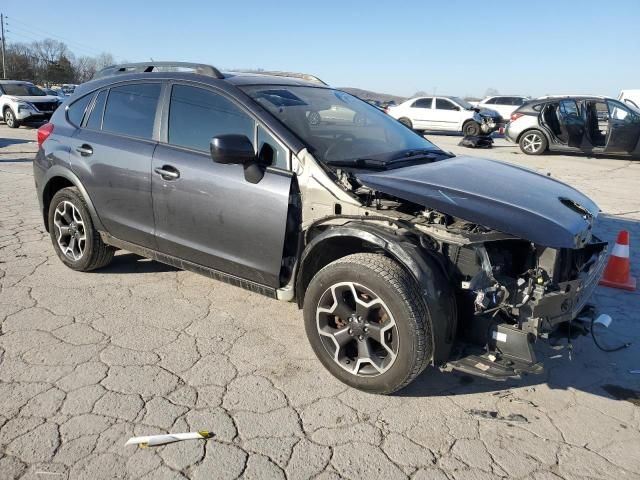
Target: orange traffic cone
{"points": [[617, 273]]}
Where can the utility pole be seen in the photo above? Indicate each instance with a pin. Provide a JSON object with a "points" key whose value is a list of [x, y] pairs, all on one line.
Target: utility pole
{"points": [[4, 71]]}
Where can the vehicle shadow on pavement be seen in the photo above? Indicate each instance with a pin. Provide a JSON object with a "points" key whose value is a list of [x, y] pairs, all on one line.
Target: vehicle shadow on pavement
{"points": [[17, 160], [124, 262], [590, 369], [6, 142]]}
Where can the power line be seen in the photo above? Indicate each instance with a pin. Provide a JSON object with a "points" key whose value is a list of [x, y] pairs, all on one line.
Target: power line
{"points": [[35, 29], [37, 37]]}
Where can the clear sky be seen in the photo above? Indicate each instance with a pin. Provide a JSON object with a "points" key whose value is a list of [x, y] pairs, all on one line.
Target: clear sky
{"points": [[454, 47]]}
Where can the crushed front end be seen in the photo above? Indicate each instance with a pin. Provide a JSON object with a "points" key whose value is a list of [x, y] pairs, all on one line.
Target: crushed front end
{"points": [[513, 292]]}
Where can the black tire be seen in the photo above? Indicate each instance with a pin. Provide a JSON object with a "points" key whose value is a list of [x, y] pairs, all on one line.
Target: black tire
{"points": [[406, 122], [472, 129], [95, 254], [10, 118], [533, 142], [399, 292]]}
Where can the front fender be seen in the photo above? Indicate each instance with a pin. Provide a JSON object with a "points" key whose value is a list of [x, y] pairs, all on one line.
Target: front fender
{"points": [[435, 287]]}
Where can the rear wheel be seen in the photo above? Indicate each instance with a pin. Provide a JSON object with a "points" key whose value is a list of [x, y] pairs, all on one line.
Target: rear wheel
{"points": [[406, 122], [472, 129], [75, 240], [367, 323], [10, 118], [533, 142]]}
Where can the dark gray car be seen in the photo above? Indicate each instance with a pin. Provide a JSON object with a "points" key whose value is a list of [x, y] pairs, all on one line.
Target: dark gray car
{"points": [[400, 254]]}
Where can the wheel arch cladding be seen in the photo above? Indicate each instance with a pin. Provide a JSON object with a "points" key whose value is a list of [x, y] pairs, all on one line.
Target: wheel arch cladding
{"points": [[437, 292], [57, 179]]}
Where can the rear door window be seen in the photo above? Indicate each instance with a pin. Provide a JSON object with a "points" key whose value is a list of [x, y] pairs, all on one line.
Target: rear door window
{"points": [[197, 115], [131, 110], [422, 103]]}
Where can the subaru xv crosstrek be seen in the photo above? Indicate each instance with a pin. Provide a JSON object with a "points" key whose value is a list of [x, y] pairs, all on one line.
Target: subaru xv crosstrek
{"points": [[401, 255]]}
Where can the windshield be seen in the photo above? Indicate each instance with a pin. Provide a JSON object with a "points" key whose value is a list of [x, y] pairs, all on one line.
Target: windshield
{"points": [[22, 90], [463, 103], [338, 127]]}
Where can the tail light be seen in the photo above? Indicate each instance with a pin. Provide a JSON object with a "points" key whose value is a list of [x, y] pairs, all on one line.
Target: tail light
{"points": [[515, 116], [43, 132]]}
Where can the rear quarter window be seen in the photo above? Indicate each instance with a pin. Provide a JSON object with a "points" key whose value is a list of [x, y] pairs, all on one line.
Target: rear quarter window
{"points": [[76, 111]]}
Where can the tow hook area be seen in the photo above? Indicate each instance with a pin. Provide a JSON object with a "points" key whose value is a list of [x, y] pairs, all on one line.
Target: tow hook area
{"points": [[509, 351], [508, 354]]}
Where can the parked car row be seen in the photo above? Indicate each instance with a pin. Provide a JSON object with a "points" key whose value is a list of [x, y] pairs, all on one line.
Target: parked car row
{"points": [[442, 113]]}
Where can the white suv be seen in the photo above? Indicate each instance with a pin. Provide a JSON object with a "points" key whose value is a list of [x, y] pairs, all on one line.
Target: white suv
{"points": [[505, 105], [24, 102], [445, 114]]}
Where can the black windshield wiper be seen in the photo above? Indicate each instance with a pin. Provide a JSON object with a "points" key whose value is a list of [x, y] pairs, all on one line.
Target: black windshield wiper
{"points": [[428, 153], [369, 163]]}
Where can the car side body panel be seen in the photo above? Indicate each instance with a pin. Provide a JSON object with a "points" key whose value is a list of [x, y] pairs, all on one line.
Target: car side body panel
{"points": [[118, 177], [212, 216]]}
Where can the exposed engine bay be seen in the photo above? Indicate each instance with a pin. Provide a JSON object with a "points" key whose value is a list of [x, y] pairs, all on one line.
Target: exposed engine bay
{"points": [[510, 290]]}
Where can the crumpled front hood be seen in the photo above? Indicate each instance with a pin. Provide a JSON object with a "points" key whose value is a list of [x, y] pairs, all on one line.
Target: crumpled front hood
{"points": [[500, 196]]}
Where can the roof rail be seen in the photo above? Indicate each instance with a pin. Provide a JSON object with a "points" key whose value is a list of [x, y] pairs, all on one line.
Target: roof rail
{"points": [[277, 73], [146, 67]]}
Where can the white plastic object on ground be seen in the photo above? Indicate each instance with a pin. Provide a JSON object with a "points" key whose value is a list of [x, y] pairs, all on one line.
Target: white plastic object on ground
{"points": [[604, 320], [155, 440]]}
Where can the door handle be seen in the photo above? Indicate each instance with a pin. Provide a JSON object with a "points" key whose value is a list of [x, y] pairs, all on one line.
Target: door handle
{"points": [[167, 172], [85, 150]]}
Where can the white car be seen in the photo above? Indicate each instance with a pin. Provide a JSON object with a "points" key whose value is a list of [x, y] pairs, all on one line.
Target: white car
{"points": [[24, 102], [505, 105], [450, 114], [630, 97], [335, 114]]}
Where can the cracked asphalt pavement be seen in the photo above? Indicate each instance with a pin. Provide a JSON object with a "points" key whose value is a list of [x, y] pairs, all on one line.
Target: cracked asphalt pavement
{"points": [[88, 360]]}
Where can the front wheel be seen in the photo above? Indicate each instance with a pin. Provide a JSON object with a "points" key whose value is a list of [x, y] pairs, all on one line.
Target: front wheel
{"points": [[533, 142], [367, 323], [472, 129], [10, 119]]}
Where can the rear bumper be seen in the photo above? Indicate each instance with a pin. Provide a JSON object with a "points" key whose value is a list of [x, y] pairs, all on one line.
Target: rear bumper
{"points": [[508, 133]]}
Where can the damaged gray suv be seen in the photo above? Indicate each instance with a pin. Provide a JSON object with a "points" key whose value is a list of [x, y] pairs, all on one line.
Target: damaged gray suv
{"points": [[400, 254]]}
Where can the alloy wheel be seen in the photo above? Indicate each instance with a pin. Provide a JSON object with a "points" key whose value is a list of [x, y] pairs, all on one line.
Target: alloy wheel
{"points": [[532, 142], [8, 118], [70, 231], [357, 329]]}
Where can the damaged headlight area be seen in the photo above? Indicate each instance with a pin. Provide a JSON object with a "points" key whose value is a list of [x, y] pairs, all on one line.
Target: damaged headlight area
{"points": [[513, 292], [488, 123]]}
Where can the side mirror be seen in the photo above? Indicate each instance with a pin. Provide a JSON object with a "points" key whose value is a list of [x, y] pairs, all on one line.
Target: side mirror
{"points": [[237, 149], [232, 149]]}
